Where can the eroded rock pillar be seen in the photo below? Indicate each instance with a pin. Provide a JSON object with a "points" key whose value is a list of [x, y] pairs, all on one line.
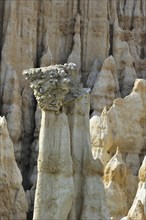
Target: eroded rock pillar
{"points": [[54, 190], [69, 184]]}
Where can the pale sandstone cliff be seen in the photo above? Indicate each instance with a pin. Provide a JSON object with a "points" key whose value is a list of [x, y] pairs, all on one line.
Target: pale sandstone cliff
{"points": [[119, 126], [39, 33]]}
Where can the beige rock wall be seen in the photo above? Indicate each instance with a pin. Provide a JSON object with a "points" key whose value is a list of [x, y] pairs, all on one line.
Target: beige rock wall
{"points": [[18, 52], [131, 18], [39, 33], [21, 36], [125, 71], [49, 37]]}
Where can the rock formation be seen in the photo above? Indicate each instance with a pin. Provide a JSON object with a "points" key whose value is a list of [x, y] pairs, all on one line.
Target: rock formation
{"points": [[110, 28], [107, 41], [115, 179], [106, 87], [93, 73], [67, 174], [138, 208], [120, 186], [127, 22], [124, 62], [13, 204], [11, 108], [112, 131], [47, 58], [54, 162], [75, 55]]}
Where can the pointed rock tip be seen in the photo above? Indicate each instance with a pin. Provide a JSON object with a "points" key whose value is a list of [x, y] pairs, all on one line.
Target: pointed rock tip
{"points": [[117, 151], [2, 120]]}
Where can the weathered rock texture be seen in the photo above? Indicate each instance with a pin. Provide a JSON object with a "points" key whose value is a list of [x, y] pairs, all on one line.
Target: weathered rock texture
{"points": [[120, 127], [115, 180], [69, 183], [120, 186], [13, 204], [106, 87], [138, 208], [84, 32], [106, 40]]}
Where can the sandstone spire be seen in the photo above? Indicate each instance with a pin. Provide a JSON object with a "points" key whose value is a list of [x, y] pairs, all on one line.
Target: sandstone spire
{"points": [[13, 204], [75, 55], [115, 179]]}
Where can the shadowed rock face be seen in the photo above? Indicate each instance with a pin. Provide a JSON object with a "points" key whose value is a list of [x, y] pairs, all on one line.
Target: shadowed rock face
{"points": [[66, 169]]}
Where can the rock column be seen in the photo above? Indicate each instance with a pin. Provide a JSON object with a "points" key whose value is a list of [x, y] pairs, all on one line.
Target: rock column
{"points": [[54, 190], [69, 184]]}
